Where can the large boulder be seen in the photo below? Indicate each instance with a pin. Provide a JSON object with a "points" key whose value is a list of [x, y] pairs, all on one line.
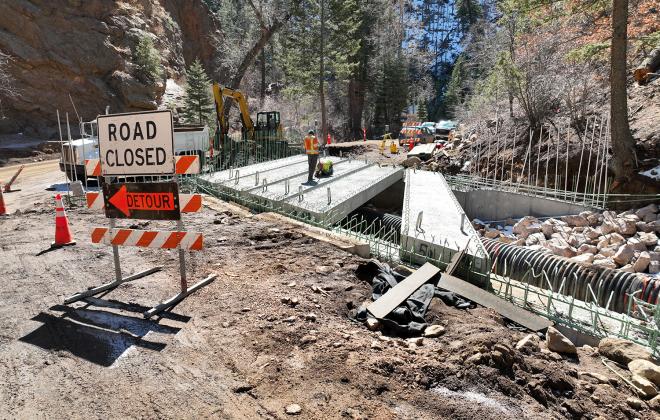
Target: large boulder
{"points": [[624, 255], [548, 228], [492, 233], [643, 227], [622, 351], [585, 258], [557, 342], [655, 225], [560, 247], [649, 239], [654, 267], [642, 262], [646, 210], [646, 369], [411, 162], [529, 342], [636, 244], [608, 252], [646, 387], [592, 233], [624, 225], [586, 248], [615, 239], [526, 226], [537, 238], [575, 220], [604, 263]]}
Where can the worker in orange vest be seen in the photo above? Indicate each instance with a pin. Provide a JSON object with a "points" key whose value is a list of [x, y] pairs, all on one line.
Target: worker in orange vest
{"points": [[312, 150]]}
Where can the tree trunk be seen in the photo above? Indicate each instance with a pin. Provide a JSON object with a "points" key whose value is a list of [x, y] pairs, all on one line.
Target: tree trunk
{"points": [[251, 55], [262, 90], [322, 75], [266, 34], [355, 106], [623, 143]]}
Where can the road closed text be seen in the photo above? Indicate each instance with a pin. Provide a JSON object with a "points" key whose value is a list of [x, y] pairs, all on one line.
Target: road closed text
{"points": [[132, 144]]}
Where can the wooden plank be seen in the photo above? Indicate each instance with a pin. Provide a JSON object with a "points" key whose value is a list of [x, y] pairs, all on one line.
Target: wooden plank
{"points": [[489, 300], [456, 259], [393, 297]]}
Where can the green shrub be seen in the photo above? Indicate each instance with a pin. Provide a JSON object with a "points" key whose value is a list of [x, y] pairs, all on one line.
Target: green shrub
{"points": [[147, 60], [590, 52]]}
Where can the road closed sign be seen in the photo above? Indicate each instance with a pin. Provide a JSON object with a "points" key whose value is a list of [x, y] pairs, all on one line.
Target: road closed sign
{"points": [[140, 143]]}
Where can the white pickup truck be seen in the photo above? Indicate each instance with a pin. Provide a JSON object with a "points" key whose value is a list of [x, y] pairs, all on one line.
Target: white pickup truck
{"points": [[188, 140]]}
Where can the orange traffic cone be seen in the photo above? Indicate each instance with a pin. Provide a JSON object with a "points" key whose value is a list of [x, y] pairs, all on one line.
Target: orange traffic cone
{"points": [[3, 209], [62, 232]]}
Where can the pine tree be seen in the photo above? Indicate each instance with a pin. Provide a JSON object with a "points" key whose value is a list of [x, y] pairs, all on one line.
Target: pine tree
{"points": [[147, 60], [392, 91], [422, 113], [198, 104], [454, 93], [320, 47]]}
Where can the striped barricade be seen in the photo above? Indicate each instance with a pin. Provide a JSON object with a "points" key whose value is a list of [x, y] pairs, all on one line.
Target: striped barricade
{"points": [[148, 238], [184, 165], [187, 164], [93, 167]]}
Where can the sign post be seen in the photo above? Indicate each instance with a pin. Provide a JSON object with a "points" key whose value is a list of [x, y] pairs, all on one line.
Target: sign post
{"points": [[142, 144]]}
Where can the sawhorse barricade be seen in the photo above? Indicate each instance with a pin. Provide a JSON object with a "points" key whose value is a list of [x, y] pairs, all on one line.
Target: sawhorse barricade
{"points": [[116, 237]]}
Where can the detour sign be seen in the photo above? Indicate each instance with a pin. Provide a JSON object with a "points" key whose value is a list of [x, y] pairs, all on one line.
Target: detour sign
{"points": [[140, 143], [152, 201]]}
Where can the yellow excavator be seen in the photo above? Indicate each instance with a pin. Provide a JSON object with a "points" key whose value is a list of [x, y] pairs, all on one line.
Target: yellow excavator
{"points": [[268, 127]]}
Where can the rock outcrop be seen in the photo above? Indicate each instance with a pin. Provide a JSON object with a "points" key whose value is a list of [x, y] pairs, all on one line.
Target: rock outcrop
{"points": [[84, 48]]}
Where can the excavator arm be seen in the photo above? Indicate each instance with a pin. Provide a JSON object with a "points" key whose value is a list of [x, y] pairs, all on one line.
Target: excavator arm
{"points": [[219, 93]]}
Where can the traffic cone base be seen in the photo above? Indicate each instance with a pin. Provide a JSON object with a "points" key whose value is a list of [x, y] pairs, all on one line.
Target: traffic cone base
{"points": [[3, 209], [62, 233]]}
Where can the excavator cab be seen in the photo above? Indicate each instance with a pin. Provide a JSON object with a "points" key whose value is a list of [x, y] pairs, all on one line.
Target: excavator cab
{"points": [[268, 126]]}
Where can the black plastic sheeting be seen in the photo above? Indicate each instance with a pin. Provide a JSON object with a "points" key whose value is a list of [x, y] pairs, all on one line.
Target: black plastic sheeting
{"points": [[408, 318]]}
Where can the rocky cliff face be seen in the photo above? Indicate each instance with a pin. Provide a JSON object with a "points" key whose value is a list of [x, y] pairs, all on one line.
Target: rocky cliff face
{"points": [[84, 48]]}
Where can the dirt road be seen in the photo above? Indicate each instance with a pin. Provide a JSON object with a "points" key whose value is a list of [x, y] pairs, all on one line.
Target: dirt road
{"points": [[32, 183], [239, 348]]}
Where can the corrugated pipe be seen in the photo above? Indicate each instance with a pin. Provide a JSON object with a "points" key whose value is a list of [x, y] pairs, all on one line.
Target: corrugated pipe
{"points": [[389, 222], [549, 271]]}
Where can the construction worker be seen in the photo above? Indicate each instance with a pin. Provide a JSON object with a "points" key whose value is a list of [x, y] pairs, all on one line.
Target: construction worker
{"points": [[324, 168], [312, 149]]}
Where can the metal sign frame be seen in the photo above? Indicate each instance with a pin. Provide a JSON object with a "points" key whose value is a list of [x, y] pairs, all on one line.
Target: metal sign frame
{"points": [[107, 189]]}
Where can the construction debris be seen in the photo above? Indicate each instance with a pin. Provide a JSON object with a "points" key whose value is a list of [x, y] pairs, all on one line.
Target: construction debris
{"points": [[489, 300]]}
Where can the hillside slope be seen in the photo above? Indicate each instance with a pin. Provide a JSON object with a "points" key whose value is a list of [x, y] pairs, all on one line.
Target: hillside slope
{"points": [[84, 48]]}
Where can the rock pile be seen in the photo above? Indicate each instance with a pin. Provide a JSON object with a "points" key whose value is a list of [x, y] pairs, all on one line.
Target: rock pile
{"points": [[628, 241]]}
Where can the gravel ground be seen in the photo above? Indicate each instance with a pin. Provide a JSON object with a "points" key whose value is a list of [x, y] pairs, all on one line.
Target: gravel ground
{"points": [[234, 349]]}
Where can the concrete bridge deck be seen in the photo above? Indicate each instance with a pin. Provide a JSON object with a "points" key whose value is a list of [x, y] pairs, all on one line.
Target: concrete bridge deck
{"points": [[282, 184], [434, 224]]}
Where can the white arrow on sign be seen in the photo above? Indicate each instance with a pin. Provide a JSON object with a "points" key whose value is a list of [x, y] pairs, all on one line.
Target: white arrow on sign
{"points": [[138, 143]]}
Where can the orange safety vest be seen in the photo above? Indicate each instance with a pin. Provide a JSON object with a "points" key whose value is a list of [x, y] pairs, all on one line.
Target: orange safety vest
{"points": [[311, 145]]}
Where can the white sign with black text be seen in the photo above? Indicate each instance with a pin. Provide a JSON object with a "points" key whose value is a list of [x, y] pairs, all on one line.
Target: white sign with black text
{"points": [[140, 143]]}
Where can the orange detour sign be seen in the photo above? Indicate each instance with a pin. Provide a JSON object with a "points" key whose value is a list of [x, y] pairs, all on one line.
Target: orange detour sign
{"points": [[62, 232], [188, 203], [151, 201]]}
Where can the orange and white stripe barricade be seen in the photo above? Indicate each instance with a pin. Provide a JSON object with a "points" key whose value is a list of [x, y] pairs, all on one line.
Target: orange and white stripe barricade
{"points": [[151, 201]]}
